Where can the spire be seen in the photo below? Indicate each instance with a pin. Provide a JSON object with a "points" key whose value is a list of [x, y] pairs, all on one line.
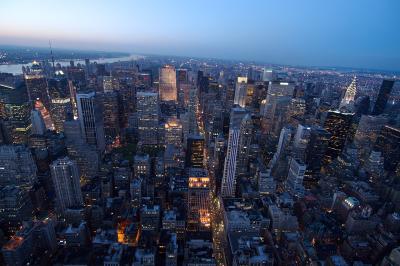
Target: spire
{"points": [[350, 94]]}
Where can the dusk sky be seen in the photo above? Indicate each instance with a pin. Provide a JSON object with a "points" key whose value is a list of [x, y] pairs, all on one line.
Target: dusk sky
{"points": [[352, 33]]}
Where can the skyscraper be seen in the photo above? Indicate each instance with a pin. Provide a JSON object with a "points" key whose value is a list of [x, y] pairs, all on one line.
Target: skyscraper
{"points": [[65, 176], [383, 96], [338, 125], [198, 200], [60, 101], [90, 116], [173, 132], [294, 182], [229, 177], [167, 84], [388, 143], [195, 151], [240, 91], [17, 166], [147, 113], [111, 114], [16, 113], [314, 154], [350, 94], [277, 102], [37, 88]]}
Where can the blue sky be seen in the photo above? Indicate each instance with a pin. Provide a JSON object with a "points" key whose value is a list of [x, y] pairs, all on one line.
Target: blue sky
{"points": [[354, 33]]}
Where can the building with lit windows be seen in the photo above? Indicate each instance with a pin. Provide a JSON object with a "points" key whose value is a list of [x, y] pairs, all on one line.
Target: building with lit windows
{"points": [[167, 84], [148, 117], [239, 118], [338, 125], [195, 151], [240, 91], [276, 105], [199, 218], [388, 143], [141, 165], [173, 132], [65, 177]]}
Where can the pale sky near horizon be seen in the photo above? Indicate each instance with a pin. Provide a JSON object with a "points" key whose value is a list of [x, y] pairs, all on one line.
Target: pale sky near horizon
{"points": [[350, 33]]}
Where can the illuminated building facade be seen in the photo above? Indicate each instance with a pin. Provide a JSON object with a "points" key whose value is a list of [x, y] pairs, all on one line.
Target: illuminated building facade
{"points": [[195, 151], [236, 131], [111, 115], [241, 91], [36, 85], [173, 132], [338, 125], [198, 200], [16, 110], [350, 94], [276, 104], [167, 84], [148, 118]]}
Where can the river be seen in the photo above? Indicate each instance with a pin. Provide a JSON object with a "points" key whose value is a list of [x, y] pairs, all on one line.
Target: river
{"points": [[16, 69]]}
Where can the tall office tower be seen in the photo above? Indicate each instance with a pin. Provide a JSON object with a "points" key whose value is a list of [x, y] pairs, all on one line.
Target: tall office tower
{"points": [[267, 74], [284, 141], [147, 113], [383, 96], [301, 140], [314, 154], [245, 139], [230, 166], [199, 218], [111, 115], [218, 162], [38, 126], [17, 166], [240, 91], [338, 125], [276, 104], [167, 84], [192, 111], [183, 86], [36, 85], [60, 102], [195, 151], [65, 176], [367, 132], [229, 94], [173, 132], [388, 143], [16, 113], [350, 94], [294, 181], [90, 116]]}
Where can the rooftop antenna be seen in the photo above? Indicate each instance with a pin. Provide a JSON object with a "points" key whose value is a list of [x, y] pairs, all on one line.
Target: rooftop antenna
{"points": [[52, 57]]}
